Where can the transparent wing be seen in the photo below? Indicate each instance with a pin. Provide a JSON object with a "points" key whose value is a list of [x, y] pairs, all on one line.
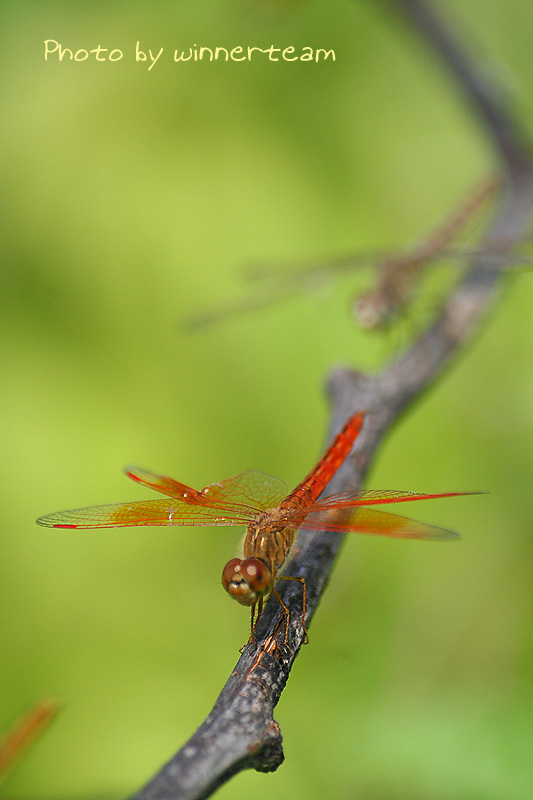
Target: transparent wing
{"points": [[251, 490], [377, 523], [247, 493], [151, 512], [281, 282], [374, 497], [165, 485], [287, 281]]}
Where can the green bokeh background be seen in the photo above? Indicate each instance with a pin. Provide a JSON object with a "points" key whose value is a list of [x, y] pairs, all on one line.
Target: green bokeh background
{"points": [[132, 200]]}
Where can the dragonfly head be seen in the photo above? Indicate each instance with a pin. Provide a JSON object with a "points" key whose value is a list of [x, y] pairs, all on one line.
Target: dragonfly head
{"points": [[247, 580], [371, 311]]}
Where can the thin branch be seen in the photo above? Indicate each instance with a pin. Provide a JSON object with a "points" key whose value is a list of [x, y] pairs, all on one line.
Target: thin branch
{"points": [[484, 98], [240, 731]]}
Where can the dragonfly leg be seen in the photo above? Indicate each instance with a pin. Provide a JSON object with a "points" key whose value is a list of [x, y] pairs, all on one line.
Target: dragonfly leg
{"points": [[252, 626], [286, 612], [251, 640], [259, 612], [255, 619], [302, 581]]}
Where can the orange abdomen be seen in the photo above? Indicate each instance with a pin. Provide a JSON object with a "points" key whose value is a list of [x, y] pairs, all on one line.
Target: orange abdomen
{"points": [[311, 487]]}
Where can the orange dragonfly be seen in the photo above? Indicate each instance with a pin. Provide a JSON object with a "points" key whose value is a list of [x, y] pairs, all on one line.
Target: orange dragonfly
{"points": [[272, 517]]}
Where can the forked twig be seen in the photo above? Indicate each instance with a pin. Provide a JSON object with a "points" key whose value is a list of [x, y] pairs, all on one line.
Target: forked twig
{"points": [[240, 731]]}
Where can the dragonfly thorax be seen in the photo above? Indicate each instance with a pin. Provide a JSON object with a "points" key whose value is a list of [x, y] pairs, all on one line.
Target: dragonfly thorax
{"points": [[270, 536]]}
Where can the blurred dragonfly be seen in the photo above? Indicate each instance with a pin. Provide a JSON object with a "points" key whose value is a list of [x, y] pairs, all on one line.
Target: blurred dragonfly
{"points": [[24, 732], [398, 273], [271, 514]]}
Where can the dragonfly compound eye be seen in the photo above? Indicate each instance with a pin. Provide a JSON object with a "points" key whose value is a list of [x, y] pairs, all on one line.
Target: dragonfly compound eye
{"points": [[257, 575], [231, 573], [236, 584]]}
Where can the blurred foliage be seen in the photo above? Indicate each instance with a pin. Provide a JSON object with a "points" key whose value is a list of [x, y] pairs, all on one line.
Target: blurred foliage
{"points": [[134, 198]]}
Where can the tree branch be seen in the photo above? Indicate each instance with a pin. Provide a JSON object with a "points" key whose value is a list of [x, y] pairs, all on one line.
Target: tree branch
{"points": [[484, 98], [240, 731]]}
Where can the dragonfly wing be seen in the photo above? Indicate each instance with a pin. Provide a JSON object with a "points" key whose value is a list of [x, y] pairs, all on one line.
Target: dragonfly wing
{"points": [[246, 305], [165, 485], [249, 492], [281, 286], [376, 497], [151, 512], [299, 270], [377, 523]]}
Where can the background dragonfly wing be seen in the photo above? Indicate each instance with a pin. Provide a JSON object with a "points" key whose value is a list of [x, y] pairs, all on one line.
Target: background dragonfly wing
{"points": [[249, 491], [280, 282], [150, 512], [377, 523], [377, 497]]}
